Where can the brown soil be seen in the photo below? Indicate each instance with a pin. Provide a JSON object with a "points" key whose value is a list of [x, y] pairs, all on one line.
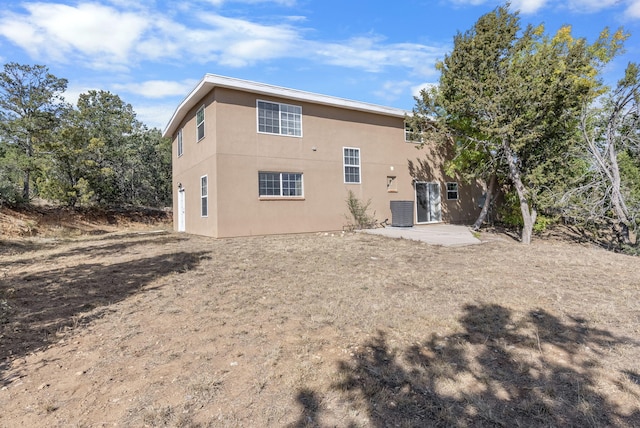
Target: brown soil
{"points": [[140, 327]]}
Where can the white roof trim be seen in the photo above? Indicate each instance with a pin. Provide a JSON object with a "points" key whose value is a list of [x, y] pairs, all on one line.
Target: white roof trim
{"points": [[210, 81]]}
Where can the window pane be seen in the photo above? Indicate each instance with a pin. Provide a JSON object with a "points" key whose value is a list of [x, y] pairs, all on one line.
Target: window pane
{"points": [[268, 120], [291, 119], [291, 184], [200, 124], [205, 209], [269, 184], [203, 186], [351, 157], [351, 174]]}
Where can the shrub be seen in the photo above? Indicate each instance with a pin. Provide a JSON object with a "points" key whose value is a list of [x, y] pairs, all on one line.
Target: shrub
{"points": [[358, 210]]}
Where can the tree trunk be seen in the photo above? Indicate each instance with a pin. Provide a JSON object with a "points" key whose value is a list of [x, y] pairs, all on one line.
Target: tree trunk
{"points": [[487, 202], [617, 199], [528, 214], [27, 172], [25, 185]]}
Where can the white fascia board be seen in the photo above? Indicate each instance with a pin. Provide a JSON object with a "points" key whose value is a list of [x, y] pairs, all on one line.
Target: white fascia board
{"points": [[211, 81]]}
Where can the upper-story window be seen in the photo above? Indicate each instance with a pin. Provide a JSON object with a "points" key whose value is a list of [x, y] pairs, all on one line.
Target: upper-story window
{"points": [[351, 158], [200, 124], [179, 142], [278, 118], [412, 135]]}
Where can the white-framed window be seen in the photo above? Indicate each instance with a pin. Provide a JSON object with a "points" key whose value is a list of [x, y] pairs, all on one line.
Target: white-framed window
{"points": [[285, 184], [179, 142], [278, 118], [411, 135], [452, 191], [204, 196], [351, 161], [200, 124]]}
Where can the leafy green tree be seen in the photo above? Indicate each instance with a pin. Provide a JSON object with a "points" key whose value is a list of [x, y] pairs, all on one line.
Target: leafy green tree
{"points": [[147, 178], [108, 122], [510, 100], [31, 104], [104, 155], [71, 153]]}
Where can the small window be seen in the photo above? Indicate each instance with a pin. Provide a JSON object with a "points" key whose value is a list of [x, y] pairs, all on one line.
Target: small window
{"points": [[351, 158], [281, 119], [204, 196], [285, 184], [392, 184], [452, 191], [179, 142], [200, 123]]}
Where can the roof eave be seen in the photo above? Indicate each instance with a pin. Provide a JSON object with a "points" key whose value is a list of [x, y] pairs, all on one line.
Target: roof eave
{"points": [[210, 81]]}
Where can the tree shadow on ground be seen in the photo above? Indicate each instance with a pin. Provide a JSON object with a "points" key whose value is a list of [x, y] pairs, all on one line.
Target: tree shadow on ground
{"points": [[121, 242], [44, 303], [532, 372], [102, 246]]}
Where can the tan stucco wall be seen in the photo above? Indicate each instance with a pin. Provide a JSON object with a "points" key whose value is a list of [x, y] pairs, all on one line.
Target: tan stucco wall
{"points": [[233, 152]]}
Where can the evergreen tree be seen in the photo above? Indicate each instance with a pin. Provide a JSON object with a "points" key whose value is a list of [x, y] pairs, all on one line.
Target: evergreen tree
{"points": [[30, 108], [510, 100]]}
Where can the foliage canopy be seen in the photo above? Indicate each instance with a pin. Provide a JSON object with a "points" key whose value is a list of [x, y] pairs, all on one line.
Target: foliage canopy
{"points": [[509, 99]]}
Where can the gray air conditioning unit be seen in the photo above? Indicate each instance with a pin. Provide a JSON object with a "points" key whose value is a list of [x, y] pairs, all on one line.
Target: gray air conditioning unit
{"points": [[402, 213]]}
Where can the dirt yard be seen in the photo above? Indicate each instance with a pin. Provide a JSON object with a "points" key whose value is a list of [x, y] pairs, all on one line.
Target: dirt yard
{"points": [[144, 327]]}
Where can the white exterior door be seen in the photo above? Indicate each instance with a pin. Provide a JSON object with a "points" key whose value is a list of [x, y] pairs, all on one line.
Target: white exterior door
{"points": [[428, 206], [181, 211]]}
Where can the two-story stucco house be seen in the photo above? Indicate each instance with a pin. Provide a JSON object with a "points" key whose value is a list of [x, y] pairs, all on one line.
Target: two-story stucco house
{"points": [[256, 159]]}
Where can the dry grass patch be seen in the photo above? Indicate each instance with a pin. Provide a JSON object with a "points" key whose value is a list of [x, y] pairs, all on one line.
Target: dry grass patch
{"points": [[318, 330]]}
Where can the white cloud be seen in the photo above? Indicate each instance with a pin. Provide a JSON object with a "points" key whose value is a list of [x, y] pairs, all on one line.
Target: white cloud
{"points": [[154, 115], [392, 90], [415, 90], [73, 92], [633, 11], [288, 3], [110, 38], [528, 6], [56, 31], [581, 6], [237, 42], [591, 6], [524, 6], [371, 54], [157, 88], [471, 2]]}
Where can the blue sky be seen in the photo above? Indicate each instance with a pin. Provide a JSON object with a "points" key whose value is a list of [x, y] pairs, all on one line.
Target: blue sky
{"points": [[153, 52]]}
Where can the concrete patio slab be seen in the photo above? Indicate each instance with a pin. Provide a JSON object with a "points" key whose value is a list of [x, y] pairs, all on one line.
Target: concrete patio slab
{"points": [[435, 234]]}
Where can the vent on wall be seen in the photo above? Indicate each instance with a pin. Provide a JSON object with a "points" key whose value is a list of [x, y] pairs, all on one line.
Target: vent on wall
{"points": [[402, 213]]}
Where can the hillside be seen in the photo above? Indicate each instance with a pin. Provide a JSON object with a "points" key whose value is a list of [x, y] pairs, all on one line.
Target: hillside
{"points": [[49, 221]]}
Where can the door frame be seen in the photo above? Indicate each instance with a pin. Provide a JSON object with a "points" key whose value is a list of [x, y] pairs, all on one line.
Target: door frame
{"points": [[434, 199], [181, 210]]}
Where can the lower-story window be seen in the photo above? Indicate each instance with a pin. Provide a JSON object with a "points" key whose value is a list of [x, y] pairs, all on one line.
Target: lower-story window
{"points": [[286, 184], [204, 196], [452, 191]]}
